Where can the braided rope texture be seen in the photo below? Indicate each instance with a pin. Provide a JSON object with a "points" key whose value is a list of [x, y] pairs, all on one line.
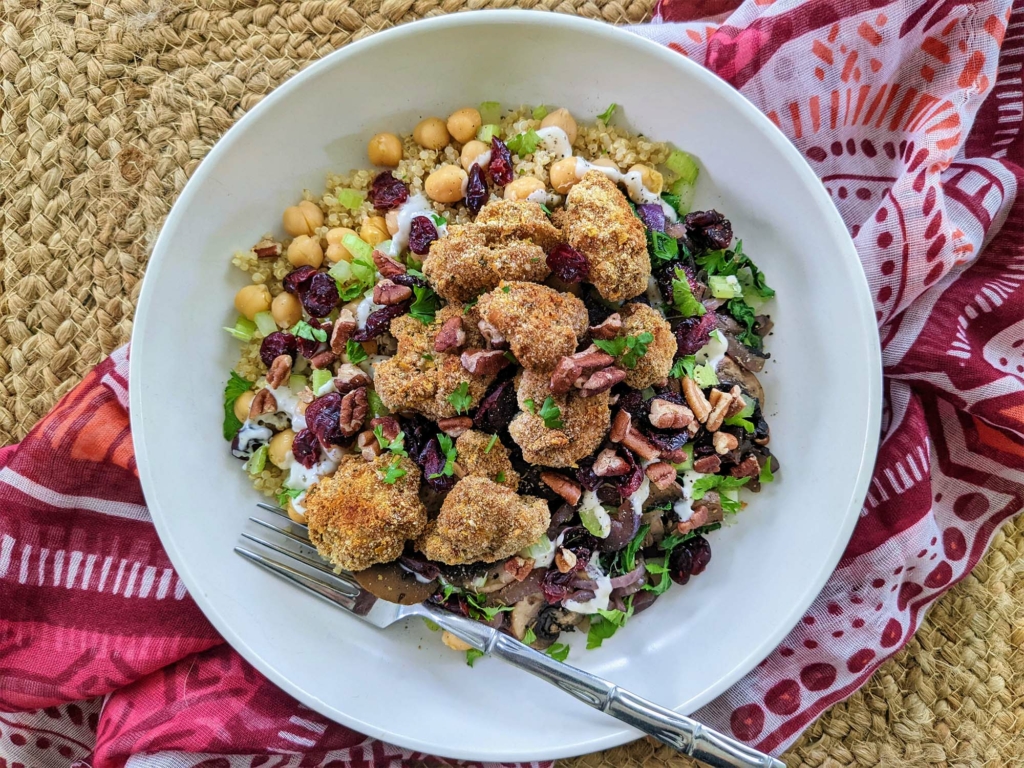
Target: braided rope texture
{"points": [[108, 106]]}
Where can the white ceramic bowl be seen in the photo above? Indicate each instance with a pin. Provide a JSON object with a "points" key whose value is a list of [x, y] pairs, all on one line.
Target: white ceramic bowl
{"points": [[823, 384]]}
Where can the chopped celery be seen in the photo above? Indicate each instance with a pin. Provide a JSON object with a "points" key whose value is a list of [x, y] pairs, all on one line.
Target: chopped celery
{"points": [[683, 165], [257, 461], [683, 194], [342, 271], [296, 382], [266, 323], [384, 247], [350, 198], [490, 112], [364, 270], [595, 519], [243, 330], [359, 248], [748, 409], [487, 132], [725, 287], [539, 113], [321, 378], [686, 463]]}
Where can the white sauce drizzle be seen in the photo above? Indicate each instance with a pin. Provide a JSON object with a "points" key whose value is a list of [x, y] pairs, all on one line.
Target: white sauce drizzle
{"points": [[689, 478], [301, 478], [288, 403], [365, 308], [253, 433], [602, 594], [541, 196], [416, 205], [555, 142], [638, 498], [714, 351]]}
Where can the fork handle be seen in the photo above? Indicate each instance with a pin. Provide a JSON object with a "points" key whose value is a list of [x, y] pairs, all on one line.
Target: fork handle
{"points": [[677, 731]]}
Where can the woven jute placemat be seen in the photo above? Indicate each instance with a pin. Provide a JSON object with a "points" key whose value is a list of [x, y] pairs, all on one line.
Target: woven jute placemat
{"points": [[108, 106]]}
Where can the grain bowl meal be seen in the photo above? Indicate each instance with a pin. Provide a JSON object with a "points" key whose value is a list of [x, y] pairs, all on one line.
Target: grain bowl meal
{"points": [[511, 363]]}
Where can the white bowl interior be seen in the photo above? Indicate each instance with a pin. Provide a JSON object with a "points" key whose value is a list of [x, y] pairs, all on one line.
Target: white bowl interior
{"points": [[822, 384]]}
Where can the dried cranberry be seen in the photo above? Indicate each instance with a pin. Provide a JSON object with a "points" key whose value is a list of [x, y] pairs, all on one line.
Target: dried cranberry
{"points": [[609, 494], [632, 402], [629, 483], [277, 343], [667, 441], [555, 585], [680, 563], [418, 432], [585, 474], [321, 297], [497, 408], [410, 281], [597, 310], [500, 166], [387, 192], [700, 550], [307, 347], [323, 417], [709, 229], [305, 448], [422, 233], [568, 264], [476, 189], [667, 274], [433, 462], [693, 333], [297, 281], [581, 543], [380, 321]]}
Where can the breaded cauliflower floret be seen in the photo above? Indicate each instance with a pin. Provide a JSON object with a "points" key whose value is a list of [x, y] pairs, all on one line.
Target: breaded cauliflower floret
{"points": [[481, 521], [654, 366], [459, 264], [539, 323], [601, 225], [476, 460], [585, 422], [504, 220], [357, 520], [418, 378]]}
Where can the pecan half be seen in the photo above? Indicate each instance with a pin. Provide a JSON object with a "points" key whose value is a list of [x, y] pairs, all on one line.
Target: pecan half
{"points": [[669, 415], [720, 402], [519, 567], [492, 334], [749, 467], [344, 327], [724, 442], [354, 407], [264, 402], [609, 464], [640, 445], [568, 489], [389, 293], [678, 456], [484, 362], [661, 474], [387, 266], [695, 399], [620, 426], [350, 377], [700, 516], [565, 560], [279, 371], [369, 445], [565, 374], [323, 359], [707, 465], [737, 404], [609, 329], [455, 426], [602, 381], [389, 427], [267, 249], [451, 336], [592, 359]]}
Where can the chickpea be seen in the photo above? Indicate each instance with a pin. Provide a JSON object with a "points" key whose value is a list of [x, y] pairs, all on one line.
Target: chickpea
{"points": [[563, 175], [453, 642], [650, 178], [391, 219], [374, 230], [286, 309], [471, 154], [335, 250], [431, 133], [302, 219], [304, 250], [252, 299], [294, 514], [242, 405], [463, 124], [446, 184], [561, 118], [520, 189], [385, 149], [279, 448]]}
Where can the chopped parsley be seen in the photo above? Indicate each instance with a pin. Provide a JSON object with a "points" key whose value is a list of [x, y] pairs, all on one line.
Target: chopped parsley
{"points": [[377, 406], [548, 212], [234, 389], [687, 367], [606, 116], [394, 472], [682, 296], [629, 554], [425, 304], [766, 475], [355, 352], [450, 454], [629, 349], [439, 221], [480, 611], [460, 399], [528, 404], [506, 289], [744, 313], [720, 483], [661, 246], [364, 275], [529, 636], [524, 144], [732, 262], [673, 200], [558, 651], [396, 446], [287, 494], [607, 623], [500, 477], [551, 414], [490, 443], [472, 655], [469, 305], [510, 357], [304, 330], [428, 357]]}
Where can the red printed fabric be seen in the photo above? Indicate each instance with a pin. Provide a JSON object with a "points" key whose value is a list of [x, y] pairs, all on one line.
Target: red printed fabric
{"points": [[911, 115]]}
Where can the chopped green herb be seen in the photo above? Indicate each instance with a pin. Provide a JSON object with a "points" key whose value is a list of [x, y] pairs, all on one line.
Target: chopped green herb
{"points": [[450, 454], [529, 636], [490, 443], [506, 289], [675, 201], [766, 475], [548, 212], [234, 389], [558, 651], [460, 399], [490, 111], [682, 296], [510, 357], [472, 655], [449, 590], [257, 461], [628, 348], [539, 113], [355, 352], [744, 313], [377, 406], [671, 542], [287, 494], [606, 623], [304, 330], [528, 404], [500, 478], [394, 472], [396, 446], [425, 304], [629, 555], [428, 357], [683, 367], [469, 305], [551, 414], [439, 221], [721, 484], [243, 330], [732, 262], [480, 611], [661, 246], [667, 545], [705, 376], [431, 625], [523, 144], [606, 116]]}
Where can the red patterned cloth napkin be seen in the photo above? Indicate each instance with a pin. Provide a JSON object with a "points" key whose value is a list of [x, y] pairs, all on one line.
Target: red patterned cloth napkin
{"points": [[911, 115]]}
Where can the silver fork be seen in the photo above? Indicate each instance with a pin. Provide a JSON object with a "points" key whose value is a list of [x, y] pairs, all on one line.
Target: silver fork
{"points": [[340, 589]]}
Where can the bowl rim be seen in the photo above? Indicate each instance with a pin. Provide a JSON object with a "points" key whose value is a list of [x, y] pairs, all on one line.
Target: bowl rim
{"points": [[830, 220]]}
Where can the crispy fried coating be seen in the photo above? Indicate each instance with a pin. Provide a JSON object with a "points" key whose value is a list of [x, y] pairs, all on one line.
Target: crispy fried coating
{"points": [[419, 379], [476, 461], [504, 220], [655, 365], [356, 519], [539, 323], [585, 422], [601, 225], [481, 521], [459, 264]]}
